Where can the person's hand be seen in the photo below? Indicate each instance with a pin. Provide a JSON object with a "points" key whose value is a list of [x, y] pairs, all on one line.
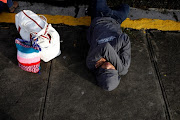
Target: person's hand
{"points": [[100, 62], [107, 65]]}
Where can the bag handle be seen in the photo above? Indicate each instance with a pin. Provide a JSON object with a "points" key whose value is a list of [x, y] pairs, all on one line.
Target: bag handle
{"points": [[25, 23], [43, 18]]}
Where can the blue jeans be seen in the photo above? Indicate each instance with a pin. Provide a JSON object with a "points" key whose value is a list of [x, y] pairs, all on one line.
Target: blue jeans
{"points": [[9, 4], [100, 9], [1, 6]]}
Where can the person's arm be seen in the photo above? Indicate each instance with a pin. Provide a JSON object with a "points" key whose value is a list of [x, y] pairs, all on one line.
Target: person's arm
{"points": [[106, 51], [94, 55], [111, 56], [122, 46], [125, 52]]}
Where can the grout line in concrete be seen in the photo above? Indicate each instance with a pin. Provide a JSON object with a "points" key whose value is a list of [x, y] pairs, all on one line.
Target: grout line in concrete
{"points": [[156, 69], [144, 23], [46, 92]]}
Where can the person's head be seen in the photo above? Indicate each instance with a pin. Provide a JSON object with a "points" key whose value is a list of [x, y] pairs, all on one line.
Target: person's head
{"points": [[107, 77]]}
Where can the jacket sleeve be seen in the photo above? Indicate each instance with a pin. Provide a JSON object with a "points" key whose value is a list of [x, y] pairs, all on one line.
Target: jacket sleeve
{"points": [[122, 46], [125, 52], [106, 51], [94, 55]]}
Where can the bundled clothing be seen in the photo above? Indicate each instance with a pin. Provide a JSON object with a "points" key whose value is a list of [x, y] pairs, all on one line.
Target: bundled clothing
{"points": [[107, 40]]}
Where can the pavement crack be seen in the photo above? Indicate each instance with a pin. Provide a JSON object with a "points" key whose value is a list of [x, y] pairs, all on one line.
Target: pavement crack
{"points": [[155, 66], [46, 93]]}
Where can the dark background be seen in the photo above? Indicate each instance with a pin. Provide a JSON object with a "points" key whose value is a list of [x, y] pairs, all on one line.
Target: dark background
{"points": [[143, 4]]}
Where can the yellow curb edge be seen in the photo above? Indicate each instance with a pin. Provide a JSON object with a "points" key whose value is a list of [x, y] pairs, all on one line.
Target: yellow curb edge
{"points": [[144, 23]]}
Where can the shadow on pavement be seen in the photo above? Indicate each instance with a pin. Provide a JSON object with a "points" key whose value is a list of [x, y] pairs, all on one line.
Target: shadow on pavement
{"points": [[74, 49], [4, 116], [7, 47]]}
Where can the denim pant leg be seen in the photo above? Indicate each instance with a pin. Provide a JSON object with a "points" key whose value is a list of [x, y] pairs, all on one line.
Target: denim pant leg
{"points": [[1, 6], [9, 3], [121, 14]]}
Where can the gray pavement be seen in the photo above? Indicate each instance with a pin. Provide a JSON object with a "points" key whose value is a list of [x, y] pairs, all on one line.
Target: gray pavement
{"points": [[165, 57], [67, 90]]}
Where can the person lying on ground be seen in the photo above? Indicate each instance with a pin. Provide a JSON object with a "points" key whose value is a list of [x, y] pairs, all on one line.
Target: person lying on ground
{"points": [[109, 55]]}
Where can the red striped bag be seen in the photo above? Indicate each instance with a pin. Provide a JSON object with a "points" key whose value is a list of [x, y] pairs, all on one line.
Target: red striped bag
{"points": [[34, 28]]}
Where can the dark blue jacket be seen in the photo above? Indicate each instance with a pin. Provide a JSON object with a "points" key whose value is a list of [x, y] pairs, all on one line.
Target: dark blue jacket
{"points": [[106, 40]]}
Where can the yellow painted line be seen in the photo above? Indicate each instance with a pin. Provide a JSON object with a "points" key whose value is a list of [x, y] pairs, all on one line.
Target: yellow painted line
{"points": [[144, 23]]}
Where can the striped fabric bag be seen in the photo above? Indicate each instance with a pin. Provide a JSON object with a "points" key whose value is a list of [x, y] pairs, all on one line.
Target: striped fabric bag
{"points": [[28, 56]]}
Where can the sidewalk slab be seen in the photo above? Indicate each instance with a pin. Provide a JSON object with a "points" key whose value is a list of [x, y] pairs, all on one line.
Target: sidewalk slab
{"points": [[167, 56], [22, 94], [74, 95]]}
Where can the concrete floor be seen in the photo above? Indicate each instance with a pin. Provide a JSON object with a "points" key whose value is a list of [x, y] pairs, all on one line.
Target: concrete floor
{"points": [[66, 90]]}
